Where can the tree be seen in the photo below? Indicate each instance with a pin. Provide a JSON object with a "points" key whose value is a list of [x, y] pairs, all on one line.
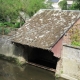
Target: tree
{"points": [[75, 5], [10, 9], [63, 4], [34, 6]]}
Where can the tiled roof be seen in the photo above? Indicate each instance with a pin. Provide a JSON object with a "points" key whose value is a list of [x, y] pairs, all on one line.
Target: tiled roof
{"points": [[46, 27]]}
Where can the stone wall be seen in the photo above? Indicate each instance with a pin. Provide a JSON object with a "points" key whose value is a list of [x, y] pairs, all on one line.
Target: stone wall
{"points": [[10, 49], [69, 64]]}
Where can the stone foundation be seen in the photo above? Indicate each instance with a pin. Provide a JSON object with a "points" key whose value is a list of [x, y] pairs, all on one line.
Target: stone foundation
{"points": [[10, 49], [69, 64]]}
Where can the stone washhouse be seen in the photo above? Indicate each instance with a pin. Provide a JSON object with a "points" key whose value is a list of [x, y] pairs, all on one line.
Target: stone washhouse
{"points": [[42, 36]]}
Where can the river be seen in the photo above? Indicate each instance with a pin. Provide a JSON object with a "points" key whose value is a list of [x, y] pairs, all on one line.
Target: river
{"points": [[9, 71]]}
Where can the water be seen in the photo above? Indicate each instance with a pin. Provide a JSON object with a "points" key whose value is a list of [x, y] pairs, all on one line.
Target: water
{"points": [[10, 71]]}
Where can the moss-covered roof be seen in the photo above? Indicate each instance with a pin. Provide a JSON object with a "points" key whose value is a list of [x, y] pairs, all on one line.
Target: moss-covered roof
{"points": [[46, 27]]}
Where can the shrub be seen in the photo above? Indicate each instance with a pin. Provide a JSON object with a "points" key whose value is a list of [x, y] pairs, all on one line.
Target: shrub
{"points": [[74, 43], [75, 35], [4, 31], [63, 4]]}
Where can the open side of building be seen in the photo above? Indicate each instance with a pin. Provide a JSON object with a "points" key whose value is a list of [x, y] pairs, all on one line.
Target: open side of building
{"points": [[42, 35]]}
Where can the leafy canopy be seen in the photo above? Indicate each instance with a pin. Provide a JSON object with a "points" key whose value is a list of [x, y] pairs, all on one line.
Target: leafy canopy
{"points": [[11, 8], [63, 4], [34, 6], [75, 5]]}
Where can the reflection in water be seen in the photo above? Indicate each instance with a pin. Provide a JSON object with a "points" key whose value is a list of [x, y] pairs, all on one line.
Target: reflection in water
{"points": [[10, 71]]}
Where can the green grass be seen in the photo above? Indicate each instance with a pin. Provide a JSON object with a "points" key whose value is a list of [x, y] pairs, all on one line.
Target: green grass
{"points": [[74, 43], [7, 27], [10, 24]]}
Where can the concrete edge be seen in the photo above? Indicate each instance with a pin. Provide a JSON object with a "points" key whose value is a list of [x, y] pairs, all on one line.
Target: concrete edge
{"points": [[67, 77], [70, 46]]}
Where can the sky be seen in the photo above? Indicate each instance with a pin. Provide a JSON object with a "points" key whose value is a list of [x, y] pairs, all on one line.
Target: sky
{"points": [[54, 0]]}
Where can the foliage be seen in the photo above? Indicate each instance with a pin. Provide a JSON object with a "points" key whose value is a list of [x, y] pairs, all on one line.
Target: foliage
{"points": [[11, 8], [63, 4], [10, 11], [75, 43], [49, 4], [75, 39], [34, 6], [9, 24], [75, 5], [6, 27], [4, 31]]}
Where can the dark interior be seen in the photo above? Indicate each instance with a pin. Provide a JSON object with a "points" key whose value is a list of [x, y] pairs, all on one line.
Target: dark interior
{"points": [[40, 56]]}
